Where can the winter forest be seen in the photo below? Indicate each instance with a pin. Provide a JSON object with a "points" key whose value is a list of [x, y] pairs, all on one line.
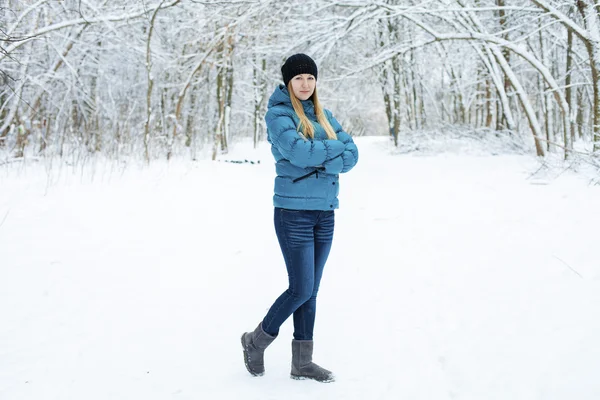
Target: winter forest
{"points": [[158, 78]]}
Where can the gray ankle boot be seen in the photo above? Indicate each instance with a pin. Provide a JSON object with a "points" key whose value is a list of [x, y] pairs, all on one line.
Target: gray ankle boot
{"points": [[254, 344], [302, 365]]}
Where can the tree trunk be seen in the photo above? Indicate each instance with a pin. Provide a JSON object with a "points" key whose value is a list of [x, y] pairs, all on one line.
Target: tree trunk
{"points": [[505, 52], [415, 96], [259, 96], [189, 125], [403, 84], [488, 104], [545, 100], [522, 95], [580, 117], [396, 112], [591, 20], [220, 113], [568, 89], [229, 92], [150, 84], [506, 119]]}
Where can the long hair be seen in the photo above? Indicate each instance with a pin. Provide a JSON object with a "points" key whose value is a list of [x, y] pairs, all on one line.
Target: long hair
{"points": [[307, 127]]}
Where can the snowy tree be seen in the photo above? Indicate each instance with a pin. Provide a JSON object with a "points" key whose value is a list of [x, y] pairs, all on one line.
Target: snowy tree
{"points": [[158, 78]]}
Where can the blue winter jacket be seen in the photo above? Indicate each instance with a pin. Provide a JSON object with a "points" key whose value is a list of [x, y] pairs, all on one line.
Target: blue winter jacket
{"points": [[307, 170]]}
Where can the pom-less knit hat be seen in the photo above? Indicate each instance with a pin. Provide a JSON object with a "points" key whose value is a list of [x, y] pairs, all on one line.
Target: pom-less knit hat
{"points": [[296, 65]]}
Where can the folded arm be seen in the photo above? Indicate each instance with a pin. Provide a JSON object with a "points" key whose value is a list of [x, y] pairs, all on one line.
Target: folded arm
{"points": [[299, 151], [349, 157]]}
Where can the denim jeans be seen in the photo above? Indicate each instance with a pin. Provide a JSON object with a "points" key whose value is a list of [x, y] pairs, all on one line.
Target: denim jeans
{"points": [[305, 238]]}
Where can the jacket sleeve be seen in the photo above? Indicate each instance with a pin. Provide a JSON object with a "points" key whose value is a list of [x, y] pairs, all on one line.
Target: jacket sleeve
{"points": [[299, 151], [350, 154]]}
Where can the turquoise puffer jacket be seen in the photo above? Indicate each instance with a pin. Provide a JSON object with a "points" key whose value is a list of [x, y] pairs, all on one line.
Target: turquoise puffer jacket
{"points": [[307, 170]]}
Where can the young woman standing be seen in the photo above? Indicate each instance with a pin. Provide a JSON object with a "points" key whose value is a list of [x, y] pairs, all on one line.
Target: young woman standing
{"points": [[311, 149]]}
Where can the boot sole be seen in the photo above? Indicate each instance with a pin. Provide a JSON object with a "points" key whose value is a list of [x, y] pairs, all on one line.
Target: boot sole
{"points": [[246, 360], [306, 378]]}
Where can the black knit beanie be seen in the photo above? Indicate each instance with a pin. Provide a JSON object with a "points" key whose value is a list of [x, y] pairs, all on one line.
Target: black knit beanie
{"points": [[296, 65]]}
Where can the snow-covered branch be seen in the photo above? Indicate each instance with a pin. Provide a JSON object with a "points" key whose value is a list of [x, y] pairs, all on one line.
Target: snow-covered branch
{"points": [[81, 21]]}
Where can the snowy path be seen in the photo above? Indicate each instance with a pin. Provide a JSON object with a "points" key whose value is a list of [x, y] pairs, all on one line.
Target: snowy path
{"points": [[451, 277]]}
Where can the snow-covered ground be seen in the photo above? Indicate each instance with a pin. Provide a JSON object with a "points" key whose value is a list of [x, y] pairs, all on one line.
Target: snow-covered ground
{"points": [[451, 277]]}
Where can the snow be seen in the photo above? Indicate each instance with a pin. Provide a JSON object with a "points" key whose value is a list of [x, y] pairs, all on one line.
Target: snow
{"points": [[452, 276]]}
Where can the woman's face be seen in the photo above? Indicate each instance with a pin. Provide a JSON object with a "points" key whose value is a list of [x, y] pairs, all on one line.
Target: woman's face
{"points": [[304, 86]]}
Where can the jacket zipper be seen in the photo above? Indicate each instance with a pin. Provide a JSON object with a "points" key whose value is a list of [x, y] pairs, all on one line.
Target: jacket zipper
{"points": [[314, 172]]}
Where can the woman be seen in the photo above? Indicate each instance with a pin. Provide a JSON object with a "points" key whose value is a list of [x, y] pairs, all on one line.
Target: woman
{"points": [[311, 150]]}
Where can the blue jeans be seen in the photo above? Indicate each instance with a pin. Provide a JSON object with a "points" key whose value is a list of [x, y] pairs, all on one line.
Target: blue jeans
{"points": [[305, 238]]}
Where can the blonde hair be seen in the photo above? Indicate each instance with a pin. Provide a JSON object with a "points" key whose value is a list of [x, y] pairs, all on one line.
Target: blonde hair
{"points": [[307, 127]]}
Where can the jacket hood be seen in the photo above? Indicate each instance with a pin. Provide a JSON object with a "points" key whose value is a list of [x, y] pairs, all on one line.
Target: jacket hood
{"points": [[281, 96]]}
